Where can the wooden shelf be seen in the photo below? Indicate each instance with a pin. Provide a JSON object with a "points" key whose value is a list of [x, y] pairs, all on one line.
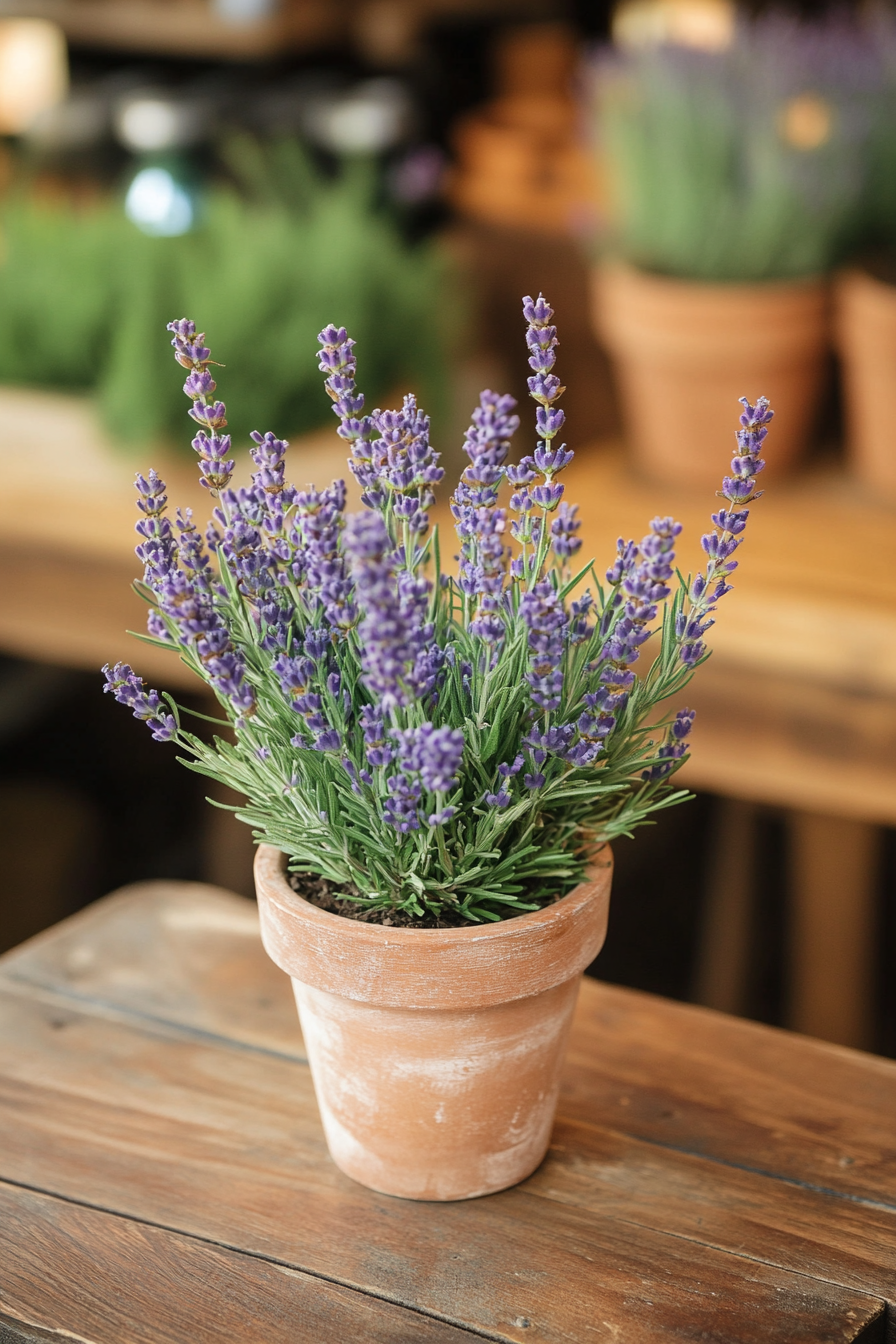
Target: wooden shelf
{"points": [[184, 27]]}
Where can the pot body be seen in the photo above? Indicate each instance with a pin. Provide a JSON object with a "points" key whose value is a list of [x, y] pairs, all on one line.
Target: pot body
{"points": [[865, 327], [685, 352], [435, 1053]]}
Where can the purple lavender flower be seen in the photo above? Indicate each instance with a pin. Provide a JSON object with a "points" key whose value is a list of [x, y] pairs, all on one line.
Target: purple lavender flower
{"points": [[320, 517], [640, 576], [674, 747], [480, 523], [506, 772], [544, 388], [738, 489], [440, 751], [395, 637], [563, 532], [130, 690], [158, 549], [427, 759], [542, 611], [401, 806], [337, 361], [377, 747], [212, 448], [403, 466], [181, 580]]}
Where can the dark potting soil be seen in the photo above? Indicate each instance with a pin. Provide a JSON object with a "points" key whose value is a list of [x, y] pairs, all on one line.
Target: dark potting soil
{"points": [[318, 891]]}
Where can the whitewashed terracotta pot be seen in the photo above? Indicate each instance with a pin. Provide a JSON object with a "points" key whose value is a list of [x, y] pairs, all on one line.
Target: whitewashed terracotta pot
{"points": [[865, 325], [435, 1053], [684, 352]]}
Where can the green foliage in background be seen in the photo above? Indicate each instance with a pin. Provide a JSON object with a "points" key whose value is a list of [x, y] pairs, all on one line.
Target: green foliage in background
{"points": [[745, 164], [83, 295]]}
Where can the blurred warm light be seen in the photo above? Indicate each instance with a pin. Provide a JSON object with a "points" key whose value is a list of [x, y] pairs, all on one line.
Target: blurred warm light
{"points": [[368, 119], [806, 121], [158, 204], [149, 123], [706, 24], [245, 11], [33, 71]]}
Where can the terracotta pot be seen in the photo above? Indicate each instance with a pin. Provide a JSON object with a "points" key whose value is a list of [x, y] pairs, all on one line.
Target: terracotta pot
{"points": [[865, 329], [435, 1053], [685, 352]]}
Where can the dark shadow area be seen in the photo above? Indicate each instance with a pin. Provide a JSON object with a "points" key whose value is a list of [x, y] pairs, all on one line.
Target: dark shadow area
{"points": [[88, 801]]}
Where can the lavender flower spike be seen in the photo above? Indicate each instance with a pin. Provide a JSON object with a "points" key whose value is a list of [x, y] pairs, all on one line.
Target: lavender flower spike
{"points": [[129, 689], [544, 388], [211, 447], [674, 749], [428, 759], [393, 634], [479, 522], [336, 359], [738, 489], [543, 613]]}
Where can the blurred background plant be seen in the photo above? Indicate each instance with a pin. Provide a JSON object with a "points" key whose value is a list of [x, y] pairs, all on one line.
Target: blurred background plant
{"points": [[273, 254], [745, 162]]}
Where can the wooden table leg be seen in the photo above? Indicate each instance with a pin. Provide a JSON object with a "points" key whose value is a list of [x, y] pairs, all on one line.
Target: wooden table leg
{"points": [[723, 958], [834, 864]]}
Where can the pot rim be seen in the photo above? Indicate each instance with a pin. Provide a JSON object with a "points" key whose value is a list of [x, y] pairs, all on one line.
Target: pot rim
{"points": [[817, 281], [464, 967], [411, 935]]}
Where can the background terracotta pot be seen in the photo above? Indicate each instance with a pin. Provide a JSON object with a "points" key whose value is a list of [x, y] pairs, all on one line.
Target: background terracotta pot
{"points": [[865, 329], [435, 1053], [684, 352]]}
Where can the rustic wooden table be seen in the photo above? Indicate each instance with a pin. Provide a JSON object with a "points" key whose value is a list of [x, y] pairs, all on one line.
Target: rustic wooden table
{"points": [[164, 1178]]}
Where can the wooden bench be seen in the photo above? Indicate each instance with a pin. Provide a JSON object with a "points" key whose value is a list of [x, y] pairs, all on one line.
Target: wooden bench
{"points": [[164, 1177]]}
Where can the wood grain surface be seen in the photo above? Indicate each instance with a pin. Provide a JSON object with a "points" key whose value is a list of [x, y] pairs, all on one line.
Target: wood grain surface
{"points": [[708, 1179], [175, 1288]]}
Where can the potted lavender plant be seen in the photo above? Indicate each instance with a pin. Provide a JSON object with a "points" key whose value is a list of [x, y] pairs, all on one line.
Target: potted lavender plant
{"points": [[865, 295], [434, 765], [737, 177]]}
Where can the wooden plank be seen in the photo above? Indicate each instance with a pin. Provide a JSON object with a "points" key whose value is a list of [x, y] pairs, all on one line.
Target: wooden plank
{"points": [[77, 1272], [792, 755], [178, 952], [616, 1176], [816, 1114], [225, 1144]]}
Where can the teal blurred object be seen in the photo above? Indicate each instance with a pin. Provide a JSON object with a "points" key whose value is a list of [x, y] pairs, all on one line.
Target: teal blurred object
{"points": [[745, 164], [85, 297], [161, 200]]}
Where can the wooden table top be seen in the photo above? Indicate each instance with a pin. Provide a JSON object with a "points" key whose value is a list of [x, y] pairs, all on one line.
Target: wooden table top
{"points": [[164, 1178]]}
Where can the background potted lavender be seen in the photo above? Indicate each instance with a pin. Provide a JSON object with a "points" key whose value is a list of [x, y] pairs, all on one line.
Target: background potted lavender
{"points": [[737, 178], [444, 758], [865, 293]]}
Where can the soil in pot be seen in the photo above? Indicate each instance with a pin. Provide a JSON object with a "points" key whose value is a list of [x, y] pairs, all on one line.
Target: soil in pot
{"points": [[685, 352], [865, 328], [435, 1053]]}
